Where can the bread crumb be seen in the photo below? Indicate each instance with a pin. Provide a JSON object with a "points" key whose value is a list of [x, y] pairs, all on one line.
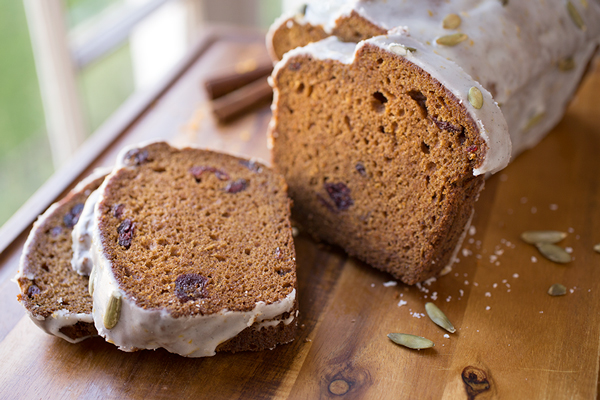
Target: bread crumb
{"points": [[446, 336], [533, 210], [533, 259], [554, 207], [488, 308], [402, 303], [515, 276], [488, 294], [569, 250], [390, 283]]}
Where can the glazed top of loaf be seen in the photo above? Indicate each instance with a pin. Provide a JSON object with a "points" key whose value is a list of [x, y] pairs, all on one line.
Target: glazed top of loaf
{"points": [[523, 52]]}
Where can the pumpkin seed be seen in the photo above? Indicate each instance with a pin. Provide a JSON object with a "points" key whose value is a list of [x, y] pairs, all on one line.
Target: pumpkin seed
{"points": [[439, 318], [91, 281], [451, 40], [566, 64], [401, 50], [597, 248], [451, 21], [534, 237], [557, 290], [536, 119], [475, 97], [410, 341], [113, 310], [575, 16], [554, 253]]}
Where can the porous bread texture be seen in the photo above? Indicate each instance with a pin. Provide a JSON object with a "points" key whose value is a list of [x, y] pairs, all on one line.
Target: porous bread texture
{"points": [[187, 234], [55, 296], [379, 158]]}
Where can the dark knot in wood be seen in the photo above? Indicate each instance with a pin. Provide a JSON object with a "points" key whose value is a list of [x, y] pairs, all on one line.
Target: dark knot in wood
{"points": [[339, 387], [476, 381]]}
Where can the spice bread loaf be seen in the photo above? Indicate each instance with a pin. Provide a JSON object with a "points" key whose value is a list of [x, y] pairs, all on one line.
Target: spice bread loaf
{"points": [[380, 157], [193, 252], [384, 143], [56, 297]]}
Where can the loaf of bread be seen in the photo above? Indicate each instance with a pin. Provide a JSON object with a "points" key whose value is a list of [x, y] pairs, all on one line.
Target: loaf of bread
{"points": [[56, 297], [385, 144], [193, 252]]}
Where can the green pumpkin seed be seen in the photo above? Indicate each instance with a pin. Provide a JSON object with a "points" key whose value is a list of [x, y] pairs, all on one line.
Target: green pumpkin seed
{"points": [[533, 237], [439, 318], [401, 50], [566, 64], [575, 16], [536, 119], [113, 310], [410, 341], [451, 21], [554, 253], [451, 40], [91, 281], [557, 290], [475, 97]]}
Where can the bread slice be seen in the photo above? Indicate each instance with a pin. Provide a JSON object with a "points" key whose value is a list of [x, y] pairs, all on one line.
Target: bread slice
{"points": [[381, 158], [56, 297], [193, 252]]}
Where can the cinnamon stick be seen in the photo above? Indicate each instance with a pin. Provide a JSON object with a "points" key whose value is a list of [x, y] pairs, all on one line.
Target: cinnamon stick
{"points": [[249, 97], [225, 83]]}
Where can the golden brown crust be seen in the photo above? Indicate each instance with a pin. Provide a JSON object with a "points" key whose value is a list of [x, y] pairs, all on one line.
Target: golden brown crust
{"points": [[379, 159]]}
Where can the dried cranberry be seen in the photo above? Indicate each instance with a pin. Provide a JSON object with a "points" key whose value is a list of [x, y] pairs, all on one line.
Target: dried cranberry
{"points": [[471, 149], [447, 126], [197, 172], [326, 203], [125, 231], [340, 194], [236, 186], [57, 230], [33, 290], [71, 218], [295, 66], [252, 165], [360, 167], [136, 157], [118, 210], [190, 287]]}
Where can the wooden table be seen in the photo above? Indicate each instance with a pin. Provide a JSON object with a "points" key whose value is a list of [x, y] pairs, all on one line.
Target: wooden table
{"points": [[511, 335]]}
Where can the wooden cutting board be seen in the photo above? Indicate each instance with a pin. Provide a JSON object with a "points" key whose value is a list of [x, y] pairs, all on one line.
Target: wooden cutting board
{"points": [[513, 340]]}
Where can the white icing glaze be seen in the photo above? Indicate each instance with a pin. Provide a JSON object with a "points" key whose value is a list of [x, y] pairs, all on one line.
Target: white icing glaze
{"points": [[82, 237], [139, 328], [513, 50], [59, 319], [489, 119]]}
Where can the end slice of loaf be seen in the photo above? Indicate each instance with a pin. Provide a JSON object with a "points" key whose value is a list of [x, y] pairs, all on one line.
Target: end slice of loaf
{"points": [[55, 296], [193, 252], [381, 158]]}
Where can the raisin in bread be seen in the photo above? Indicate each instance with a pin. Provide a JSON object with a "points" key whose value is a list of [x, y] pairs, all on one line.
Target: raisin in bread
{"points": [[381, 158], [529, 55], [193, 252], [57, 298]]}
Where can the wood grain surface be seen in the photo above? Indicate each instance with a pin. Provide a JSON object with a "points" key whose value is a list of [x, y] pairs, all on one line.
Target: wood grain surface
{"points": [[513, 340]]}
